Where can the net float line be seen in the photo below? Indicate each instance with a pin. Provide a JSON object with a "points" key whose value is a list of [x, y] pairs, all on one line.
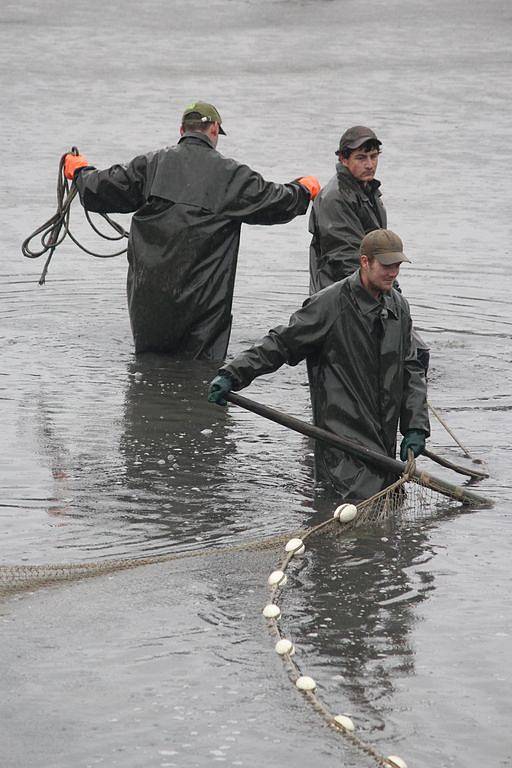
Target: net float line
{"points": [[348, 516]]}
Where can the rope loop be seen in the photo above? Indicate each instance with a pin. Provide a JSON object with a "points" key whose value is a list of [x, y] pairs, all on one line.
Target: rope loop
{"points": [[54, 231]]}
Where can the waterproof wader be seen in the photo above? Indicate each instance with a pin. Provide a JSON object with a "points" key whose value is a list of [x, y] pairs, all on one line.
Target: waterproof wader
{"points": [[190, 203], [364, 376]]}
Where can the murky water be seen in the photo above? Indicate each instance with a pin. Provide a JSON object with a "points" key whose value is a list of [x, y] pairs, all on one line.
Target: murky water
{"points": [[106, 455]]}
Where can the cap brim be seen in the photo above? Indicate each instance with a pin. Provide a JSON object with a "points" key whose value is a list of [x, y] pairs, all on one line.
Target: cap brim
{"points": [[391, 257], [222, 131], [358, 142]]}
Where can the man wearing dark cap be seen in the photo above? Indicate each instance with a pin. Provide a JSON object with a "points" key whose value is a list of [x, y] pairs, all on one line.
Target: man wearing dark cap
{"points": [[189, 204], [346, 209], [365, 379]]}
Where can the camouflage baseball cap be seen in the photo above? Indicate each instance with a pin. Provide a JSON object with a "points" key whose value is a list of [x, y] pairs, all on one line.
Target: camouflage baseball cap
{"points": [[354, 137], [384, 245], [206, 112]]}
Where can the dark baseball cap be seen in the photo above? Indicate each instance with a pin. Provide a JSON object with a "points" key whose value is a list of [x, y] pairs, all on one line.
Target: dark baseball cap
{"points": [[384, 245], [354, 137], [207, 113]]}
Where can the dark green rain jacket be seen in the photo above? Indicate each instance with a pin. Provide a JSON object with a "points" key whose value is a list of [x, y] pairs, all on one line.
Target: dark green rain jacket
{"points": [[190, 203], [364, 376], [342, 214]]}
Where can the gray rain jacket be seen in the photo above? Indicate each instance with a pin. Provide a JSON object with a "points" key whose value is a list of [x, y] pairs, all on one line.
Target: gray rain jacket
{"points": [[190, 203], [364, 376], [342, 214]]}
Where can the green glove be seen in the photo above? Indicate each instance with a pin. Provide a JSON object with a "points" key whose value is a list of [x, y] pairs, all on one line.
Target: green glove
{"points": [[218, 389], [414, 439]]}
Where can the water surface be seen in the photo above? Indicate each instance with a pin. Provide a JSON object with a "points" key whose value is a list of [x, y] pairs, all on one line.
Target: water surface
{"points": [[105, 455]]}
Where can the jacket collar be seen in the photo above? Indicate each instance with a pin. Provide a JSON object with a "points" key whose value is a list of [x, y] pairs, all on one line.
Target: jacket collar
{"points": [[344, 173], [196, 135], [365, 300]]}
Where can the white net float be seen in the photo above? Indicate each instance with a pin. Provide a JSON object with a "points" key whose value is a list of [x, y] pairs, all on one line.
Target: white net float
{"points": [[296, 546], [396, 762], [277, 578], [345, 513], [271, 611], [284, 647], [305, 683], [345, 722]]}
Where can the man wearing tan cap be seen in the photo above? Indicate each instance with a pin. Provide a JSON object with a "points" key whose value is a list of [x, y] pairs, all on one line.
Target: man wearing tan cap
{"points": [[365, 379], [189, 204]]}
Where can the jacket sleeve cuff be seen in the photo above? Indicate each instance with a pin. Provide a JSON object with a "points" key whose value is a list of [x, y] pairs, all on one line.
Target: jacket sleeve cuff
{"points": [[305, 191], [83, 168]]}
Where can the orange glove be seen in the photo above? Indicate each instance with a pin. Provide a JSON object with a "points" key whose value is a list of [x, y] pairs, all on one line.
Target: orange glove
{"points": [[312, 185], [72, 163]]}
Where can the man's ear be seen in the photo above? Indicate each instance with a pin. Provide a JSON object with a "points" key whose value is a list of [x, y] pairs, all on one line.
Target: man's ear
{"points": [[363, 260], [213, 133], [182, 130]]}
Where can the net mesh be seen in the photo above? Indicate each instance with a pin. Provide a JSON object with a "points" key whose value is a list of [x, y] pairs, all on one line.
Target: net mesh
{"points": [[20, 578], [407, 498], [410, 497]]}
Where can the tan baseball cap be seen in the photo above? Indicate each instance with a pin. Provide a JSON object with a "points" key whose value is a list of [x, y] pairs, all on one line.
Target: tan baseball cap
{"points": [[384, 245]]}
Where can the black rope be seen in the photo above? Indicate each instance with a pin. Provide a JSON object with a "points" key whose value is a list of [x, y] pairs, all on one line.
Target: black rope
{"points": [[54, 231]]}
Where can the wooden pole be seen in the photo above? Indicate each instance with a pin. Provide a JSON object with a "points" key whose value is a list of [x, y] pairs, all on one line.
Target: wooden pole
{"points": [[474, 473], [356, 449]]}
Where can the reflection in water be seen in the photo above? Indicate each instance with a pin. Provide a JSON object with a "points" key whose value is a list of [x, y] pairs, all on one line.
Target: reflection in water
{"points": [[198, 472], [351, 610], [52, 445], [175, 450]]}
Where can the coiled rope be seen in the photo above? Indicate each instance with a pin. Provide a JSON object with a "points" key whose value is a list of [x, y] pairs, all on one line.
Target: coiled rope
{"points": [[54, 231]]}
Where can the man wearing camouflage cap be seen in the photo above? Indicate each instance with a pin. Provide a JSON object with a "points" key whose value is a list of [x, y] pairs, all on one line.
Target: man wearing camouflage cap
{"points": [[189, 204], [364, 376]]}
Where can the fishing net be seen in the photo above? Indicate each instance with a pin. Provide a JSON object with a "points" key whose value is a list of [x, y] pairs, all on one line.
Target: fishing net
{"points": [[21, 578], [405, 499], [400, 502], [411, 497]]}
